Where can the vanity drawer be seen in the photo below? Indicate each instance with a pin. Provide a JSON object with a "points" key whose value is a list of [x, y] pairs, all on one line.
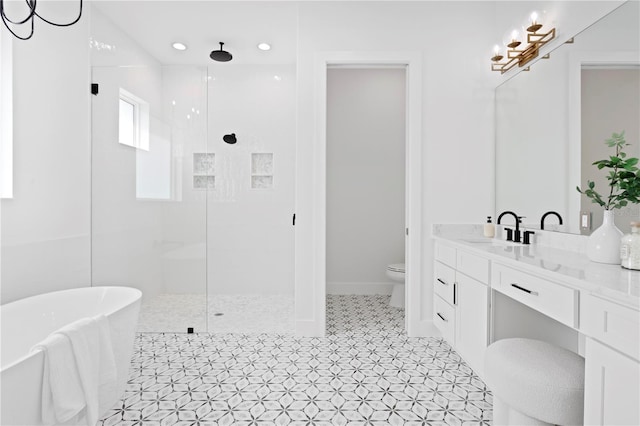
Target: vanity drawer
{"points": [[615, 325], [474, 266], [444, 282], [550, 298], [444, 318], [446, 254]]}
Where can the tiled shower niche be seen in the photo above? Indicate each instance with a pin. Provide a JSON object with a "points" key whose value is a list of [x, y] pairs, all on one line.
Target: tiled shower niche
{"points": [[261, 170], [204, 170]]}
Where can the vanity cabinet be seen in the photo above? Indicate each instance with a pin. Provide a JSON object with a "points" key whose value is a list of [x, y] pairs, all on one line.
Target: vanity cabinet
{"points": [[612, 362], [461, 302], [548, 297], [482, 295], [611, 392]]}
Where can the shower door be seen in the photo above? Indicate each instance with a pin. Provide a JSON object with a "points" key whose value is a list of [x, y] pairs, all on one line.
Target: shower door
{"points": [[250, 232], [150, 176]]}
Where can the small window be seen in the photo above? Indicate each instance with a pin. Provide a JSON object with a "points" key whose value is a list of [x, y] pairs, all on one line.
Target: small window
{"points": [[133, 121]]}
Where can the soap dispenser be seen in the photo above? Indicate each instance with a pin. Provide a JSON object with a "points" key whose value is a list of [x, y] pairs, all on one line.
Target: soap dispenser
{"points": [[489, 228]]}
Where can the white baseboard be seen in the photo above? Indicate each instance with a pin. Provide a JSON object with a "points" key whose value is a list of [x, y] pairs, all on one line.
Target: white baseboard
{"points": [[359, 288]]}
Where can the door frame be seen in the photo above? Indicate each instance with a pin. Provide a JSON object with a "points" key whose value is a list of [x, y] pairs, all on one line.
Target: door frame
{"points": [[413, 175]]}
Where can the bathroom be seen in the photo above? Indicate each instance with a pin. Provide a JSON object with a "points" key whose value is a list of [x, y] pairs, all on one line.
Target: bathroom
{"points": [[71, 216]]}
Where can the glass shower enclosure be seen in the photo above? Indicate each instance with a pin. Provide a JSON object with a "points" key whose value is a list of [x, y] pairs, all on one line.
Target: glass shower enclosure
{"points": [[192, 193]]}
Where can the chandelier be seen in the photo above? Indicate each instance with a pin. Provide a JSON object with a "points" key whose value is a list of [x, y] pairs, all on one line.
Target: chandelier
{"points": [[29, 20]]}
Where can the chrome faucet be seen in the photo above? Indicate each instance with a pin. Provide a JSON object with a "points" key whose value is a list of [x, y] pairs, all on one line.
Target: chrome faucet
{"points": [[544, 216], [516, 234]]}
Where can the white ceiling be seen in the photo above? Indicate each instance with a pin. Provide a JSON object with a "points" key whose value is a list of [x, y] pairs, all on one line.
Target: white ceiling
{"points": [[201, 25]]}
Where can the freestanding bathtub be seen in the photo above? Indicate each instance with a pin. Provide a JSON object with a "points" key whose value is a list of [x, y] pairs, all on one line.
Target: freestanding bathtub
{"points": [[28, 321]]}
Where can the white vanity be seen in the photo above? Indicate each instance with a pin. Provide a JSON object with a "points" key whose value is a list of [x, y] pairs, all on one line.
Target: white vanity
{"points": [[486, 290]]}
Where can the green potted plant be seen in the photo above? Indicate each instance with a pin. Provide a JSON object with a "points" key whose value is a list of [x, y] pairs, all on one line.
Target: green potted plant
{"points": [[623, 188]]}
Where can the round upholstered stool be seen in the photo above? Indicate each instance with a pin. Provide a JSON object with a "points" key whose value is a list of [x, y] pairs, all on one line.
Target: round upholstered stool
{"points": [[534, 383]]}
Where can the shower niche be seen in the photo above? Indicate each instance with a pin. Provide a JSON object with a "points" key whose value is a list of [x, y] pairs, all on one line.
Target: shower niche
{"points": [[204, 171], [261, 171]]}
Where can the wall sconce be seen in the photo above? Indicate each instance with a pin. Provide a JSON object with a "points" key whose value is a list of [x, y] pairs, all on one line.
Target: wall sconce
{"points": [[30, 18], [522, 56]]}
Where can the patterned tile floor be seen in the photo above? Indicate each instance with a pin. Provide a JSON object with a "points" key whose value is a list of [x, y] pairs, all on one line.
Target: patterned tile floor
{"points": [[365, 372]]}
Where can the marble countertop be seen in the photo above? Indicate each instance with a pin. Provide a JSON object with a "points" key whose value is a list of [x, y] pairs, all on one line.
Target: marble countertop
{"points": [[567, 267]]}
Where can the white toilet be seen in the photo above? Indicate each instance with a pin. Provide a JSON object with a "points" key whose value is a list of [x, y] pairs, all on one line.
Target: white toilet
{"points": [[395, 271]]}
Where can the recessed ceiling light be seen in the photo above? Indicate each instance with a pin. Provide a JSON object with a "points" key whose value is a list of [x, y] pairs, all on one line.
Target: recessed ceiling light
{"points": [[264, 46], [179, 46]]}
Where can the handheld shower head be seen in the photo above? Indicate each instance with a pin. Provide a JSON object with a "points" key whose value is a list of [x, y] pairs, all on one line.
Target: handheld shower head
{"points": [[220, 55]]}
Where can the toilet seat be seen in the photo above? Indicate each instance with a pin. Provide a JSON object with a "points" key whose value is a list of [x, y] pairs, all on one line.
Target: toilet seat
{"points": [[396, 267]]}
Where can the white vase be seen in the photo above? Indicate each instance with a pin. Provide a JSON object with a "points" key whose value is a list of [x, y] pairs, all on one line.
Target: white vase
{"points": [[603, 245]]}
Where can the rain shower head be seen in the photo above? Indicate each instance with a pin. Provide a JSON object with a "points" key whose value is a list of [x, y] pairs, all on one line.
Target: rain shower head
{"points": [[220, 55]]}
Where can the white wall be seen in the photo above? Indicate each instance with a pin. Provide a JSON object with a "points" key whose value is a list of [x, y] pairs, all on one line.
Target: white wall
{"points": [[45, 227], [457, 123], [249, 231], [126, 231], [365, 177]]}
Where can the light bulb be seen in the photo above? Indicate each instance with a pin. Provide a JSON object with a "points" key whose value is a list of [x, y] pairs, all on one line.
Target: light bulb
{"points": [[533, 26], [496, 54], [534, 17]]}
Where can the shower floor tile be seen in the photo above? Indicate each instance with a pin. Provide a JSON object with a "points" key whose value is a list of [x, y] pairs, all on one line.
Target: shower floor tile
{"points": [[365, 372], [253, 313]]}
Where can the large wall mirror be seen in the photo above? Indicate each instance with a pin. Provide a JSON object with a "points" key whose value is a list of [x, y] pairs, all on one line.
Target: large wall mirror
{"points": [[552, 121]]}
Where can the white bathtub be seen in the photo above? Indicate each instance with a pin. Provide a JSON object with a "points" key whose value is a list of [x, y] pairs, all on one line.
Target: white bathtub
{"points": [[28, 321]]}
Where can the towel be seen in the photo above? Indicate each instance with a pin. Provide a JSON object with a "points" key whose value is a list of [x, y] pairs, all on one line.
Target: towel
{"points": [[92, 357], [91, 342], [62, 394]]}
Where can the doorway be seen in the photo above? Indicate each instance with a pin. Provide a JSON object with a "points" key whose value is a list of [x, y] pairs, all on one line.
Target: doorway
{"points": [[366, 135], [311, 240]]}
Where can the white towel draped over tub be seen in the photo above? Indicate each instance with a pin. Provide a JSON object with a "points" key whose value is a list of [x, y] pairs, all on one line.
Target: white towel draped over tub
{"points": [[79, 378]]}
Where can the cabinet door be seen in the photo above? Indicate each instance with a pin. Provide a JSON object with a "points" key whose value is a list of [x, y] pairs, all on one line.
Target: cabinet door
{"points": [[472, 315], [612, 383]]}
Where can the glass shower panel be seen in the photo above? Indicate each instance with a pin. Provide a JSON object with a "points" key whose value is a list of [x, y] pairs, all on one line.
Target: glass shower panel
{"points": [[250, 233], [148, 219]]}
